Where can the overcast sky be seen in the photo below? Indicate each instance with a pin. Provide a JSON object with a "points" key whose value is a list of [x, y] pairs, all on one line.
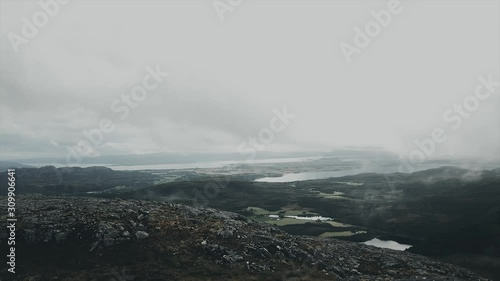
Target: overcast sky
{"points": [[226, 77]]}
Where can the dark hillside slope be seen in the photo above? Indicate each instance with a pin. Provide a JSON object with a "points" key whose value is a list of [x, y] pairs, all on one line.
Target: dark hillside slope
{"points": [[66, 238]]}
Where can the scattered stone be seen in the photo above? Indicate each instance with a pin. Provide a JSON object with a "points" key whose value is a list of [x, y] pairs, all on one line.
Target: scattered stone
{"points": [[141, 234], [99, 226]]}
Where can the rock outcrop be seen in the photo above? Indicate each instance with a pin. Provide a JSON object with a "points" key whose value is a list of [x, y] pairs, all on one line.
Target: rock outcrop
{"points": [[75, 238]]}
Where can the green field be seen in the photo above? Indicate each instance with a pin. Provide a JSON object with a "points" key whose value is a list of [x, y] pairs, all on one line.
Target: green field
{"points": [[262, 215]]}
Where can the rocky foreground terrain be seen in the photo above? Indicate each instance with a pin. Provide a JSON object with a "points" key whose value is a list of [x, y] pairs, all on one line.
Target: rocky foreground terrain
{"points": [[74, 238]]}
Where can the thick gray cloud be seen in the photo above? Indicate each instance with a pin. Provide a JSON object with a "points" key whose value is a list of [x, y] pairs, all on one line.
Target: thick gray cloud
{"points": [[226, 77]]}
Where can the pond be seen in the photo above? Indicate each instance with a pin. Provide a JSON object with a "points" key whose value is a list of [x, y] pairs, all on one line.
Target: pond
{"points": [[311, 218], [388, 244]]}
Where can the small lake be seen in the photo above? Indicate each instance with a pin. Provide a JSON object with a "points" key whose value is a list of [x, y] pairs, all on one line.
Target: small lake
{"points": [[313, 218], [312, 175], [291, 177], [389, 244]]}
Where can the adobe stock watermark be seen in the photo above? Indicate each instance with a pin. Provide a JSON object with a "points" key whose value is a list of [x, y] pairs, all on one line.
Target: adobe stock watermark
{"points": [[454, 118], [277, 124], [224, 6], [304, 272], [121, 276], [122, 106], [31, 27], [372, 29]]}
